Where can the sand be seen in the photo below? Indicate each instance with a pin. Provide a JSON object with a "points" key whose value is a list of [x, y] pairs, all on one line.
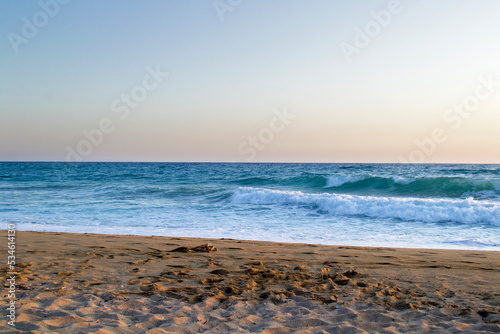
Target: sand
{"points": [[89, 283]]}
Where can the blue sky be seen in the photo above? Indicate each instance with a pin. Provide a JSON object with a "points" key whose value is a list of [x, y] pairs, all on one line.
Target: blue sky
{"points": [[227, 77]]}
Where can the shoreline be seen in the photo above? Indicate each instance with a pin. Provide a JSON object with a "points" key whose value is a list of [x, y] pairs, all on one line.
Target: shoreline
{"points": [[152, 284], [264, 241]]}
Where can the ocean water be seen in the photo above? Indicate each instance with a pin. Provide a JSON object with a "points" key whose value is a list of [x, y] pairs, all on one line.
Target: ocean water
{"points": [[421, 206]]}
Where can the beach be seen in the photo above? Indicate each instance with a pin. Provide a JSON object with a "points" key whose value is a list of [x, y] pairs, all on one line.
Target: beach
{"points": [[97, 283], [250, 167]]}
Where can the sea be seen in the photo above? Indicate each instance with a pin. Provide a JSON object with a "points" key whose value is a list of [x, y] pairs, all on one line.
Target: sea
{"points": [[384, 205]]}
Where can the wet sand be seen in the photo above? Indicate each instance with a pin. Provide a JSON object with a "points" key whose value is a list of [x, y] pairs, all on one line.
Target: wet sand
{"points": [[90, 283]]}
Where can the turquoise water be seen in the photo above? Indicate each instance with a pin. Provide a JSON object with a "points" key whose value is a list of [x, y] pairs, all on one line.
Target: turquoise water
{"points": [[431, 206]]}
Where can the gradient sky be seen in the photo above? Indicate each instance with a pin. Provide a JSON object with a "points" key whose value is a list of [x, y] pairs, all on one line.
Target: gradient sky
{"points": [[227, 76]]}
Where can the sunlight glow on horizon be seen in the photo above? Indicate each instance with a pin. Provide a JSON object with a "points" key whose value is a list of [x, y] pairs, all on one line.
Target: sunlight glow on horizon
{"points": [[102, 68]]}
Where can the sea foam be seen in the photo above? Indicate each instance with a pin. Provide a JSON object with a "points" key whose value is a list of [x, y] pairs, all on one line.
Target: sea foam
{"points": [[465, 211]]}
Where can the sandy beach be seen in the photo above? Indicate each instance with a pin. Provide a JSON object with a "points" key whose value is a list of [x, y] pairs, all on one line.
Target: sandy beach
{"points": [[89, 283]]}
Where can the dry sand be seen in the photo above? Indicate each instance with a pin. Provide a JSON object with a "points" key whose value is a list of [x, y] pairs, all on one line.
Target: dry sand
{"points": [[86, 283]]}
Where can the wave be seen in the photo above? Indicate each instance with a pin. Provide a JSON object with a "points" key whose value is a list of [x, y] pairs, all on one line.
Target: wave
{"points": [[400, 186], [466, 211], [443, 186], [302, 181]]}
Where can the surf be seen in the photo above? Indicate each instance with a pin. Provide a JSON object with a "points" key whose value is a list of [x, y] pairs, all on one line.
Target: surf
{"points": [[466, 211]]}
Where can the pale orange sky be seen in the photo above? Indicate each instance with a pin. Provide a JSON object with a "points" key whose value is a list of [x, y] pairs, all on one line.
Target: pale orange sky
{"points": [[202, 83]]}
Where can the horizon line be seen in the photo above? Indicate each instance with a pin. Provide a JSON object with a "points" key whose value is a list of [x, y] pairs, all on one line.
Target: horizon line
{"points": [[256, 162]]}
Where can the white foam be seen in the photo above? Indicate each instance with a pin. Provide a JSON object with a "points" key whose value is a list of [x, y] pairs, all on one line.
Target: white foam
{"points": [[337, 181], [467, 211], [402, 180]]}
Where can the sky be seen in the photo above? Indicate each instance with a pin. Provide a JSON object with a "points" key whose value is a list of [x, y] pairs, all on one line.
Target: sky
{"points": [[412, 81]]}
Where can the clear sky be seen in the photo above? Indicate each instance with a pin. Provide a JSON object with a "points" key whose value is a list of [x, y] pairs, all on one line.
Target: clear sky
{"points": [[250, 80]]}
